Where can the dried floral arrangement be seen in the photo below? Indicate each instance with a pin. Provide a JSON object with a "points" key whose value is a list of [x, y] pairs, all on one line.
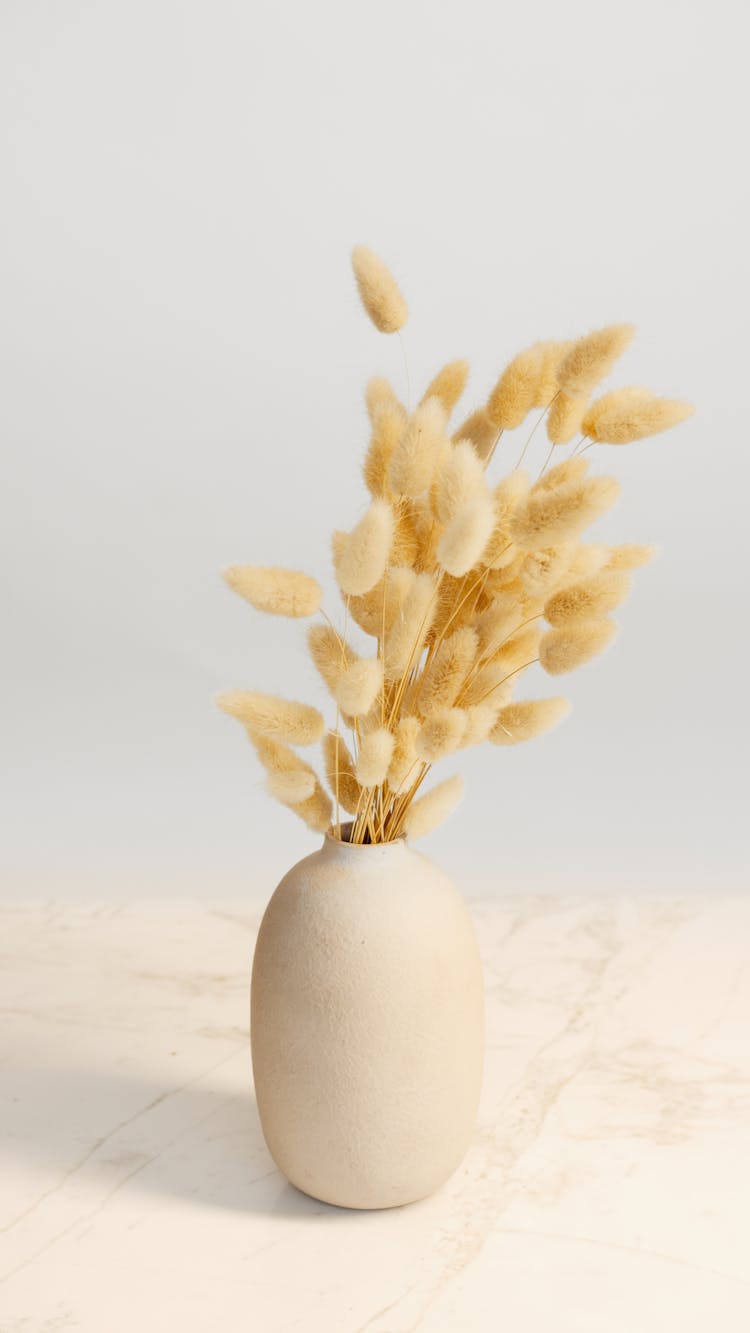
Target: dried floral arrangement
{"points": [[464, 584]]}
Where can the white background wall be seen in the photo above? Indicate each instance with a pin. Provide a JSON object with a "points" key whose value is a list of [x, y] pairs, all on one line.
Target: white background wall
{"points": [[182, 365]]}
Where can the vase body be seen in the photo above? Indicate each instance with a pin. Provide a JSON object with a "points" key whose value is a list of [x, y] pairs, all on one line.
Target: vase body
{"points": [[367, 1025]]}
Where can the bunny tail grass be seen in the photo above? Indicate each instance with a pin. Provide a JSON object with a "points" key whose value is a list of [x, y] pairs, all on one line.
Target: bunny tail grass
{"points": [[516, 391], [380, 394], [339, 769], [463, 580], [449, 667], [289, 779], [565, 417], [448, 385], [523, 721], [481, 431], [387, 432], [359, 686], [571, 469], [563, 650], [422, 447], [440, 734], [278, 719], [551, 355], [291, 788], [403, 765], [589, 599], [409, 629], [592, 357], [316, 811], [467, 535], [281, 592], [430, 810], [632, 414], [293, 782], [364, 555], [375, 752], [459, 480], [549, 517], [630, 555], [378, 291]]}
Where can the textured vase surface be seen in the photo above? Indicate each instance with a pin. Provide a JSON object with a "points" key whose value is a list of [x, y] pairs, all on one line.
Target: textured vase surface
{"points": [[367, 1025]]}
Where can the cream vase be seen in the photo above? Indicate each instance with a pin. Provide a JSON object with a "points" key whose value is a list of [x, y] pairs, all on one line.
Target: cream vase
{"points": [[367, 1025]]}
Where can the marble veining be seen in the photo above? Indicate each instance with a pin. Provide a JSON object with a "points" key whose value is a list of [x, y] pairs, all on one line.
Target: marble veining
{"points": [[606, 1190]]}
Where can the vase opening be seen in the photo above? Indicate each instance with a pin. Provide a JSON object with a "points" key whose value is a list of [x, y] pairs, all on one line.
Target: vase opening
{"points": [[345, 831]]}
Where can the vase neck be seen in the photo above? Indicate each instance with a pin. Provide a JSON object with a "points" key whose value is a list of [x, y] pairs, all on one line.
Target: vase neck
{"points": [[343, 851]]}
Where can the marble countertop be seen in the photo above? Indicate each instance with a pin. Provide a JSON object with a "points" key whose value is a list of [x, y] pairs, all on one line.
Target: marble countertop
{"points": [[607, 1189]]}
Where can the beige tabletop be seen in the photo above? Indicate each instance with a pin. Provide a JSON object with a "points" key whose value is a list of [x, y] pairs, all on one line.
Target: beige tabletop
{"points": [[607, 1189]]}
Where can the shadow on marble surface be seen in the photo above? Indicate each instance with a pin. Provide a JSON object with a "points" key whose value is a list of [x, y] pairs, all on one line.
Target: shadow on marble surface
{"points": [[198, 1144]]}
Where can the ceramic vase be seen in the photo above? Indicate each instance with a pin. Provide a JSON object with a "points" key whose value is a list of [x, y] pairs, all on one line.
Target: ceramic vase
{"points": [[367, 1025]]}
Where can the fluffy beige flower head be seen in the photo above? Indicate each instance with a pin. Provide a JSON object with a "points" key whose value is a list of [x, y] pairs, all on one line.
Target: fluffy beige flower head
{"points": [[467, 534], [359, 686], [268, 715], [565, 417], [563, 650], [482, 432], [407, 632], [404, 763], [289, 779], [459, 480], [440, 734], [523, 721], [291, 788], [364, 555], [379, 291], [387, 431], [551, 355], [448, 384], [421, 449], [340, 776], [379, 393], [331, 654], [517, 389], [316, 811], [430, 810], [448, 669], [592, 357], [630, 555], [550, 517], [588, 599], [281, 592], [375, 752], [625, 415]]}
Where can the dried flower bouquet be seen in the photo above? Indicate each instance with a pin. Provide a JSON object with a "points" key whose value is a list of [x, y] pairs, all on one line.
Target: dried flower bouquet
{"points": [[463, 583]]}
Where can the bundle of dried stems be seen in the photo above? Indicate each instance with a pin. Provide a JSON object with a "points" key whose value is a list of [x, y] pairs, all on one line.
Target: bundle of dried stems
{"points": [[464, 584]]}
